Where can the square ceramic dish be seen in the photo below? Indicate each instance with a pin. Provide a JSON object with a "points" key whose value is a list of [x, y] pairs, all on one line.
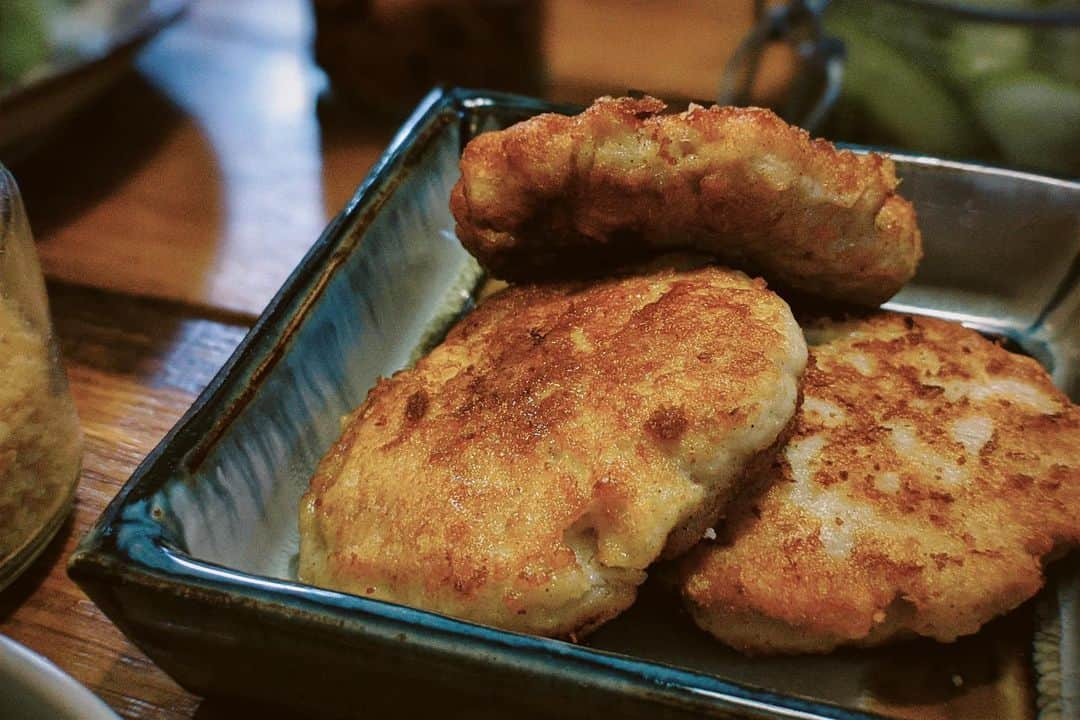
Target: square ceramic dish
{"points": [[195, 558]]}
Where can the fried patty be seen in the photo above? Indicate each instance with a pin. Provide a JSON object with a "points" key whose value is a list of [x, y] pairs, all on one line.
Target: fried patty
{"points": [[929, 475], [527, 471], [557, 194]]}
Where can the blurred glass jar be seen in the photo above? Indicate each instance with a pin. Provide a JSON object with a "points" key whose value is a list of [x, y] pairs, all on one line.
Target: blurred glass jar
{"points": [[994, 80], [40, 440], [990, 80], [387, 54]]}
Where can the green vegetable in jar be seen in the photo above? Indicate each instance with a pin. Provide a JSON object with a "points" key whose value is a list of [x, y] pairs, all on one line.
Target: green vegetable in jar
{"points": [[1057, 49], [977, 51], [1034, 118], [906, 102], [921, 37]]}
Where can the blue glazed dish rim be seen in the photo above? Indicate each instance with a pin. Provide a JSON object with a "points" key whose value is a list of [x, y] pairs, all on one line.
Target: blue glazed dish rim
{"points": [[126, 544]]}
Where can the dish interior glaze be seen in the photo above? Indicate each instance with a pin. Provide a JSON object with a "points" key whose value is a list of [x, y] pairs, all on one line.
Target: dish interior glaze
{"points": [[221, 493], [238, 507]]}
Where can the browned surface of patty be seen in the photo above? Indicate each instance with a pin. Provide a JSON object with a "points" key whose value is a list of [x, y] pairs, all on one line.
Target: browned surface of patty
{"points": [[527, 471], [929, 475], [554, 195]]}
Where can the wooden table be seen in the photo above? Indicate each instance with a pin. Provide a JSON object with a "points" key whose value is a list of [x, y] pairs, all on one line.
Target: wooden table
{"points": [[170, 210]]}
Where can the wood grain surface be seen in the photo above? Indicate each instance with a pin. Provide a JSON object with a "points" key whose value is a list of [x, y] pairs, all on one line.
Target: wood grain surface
{"points": [[134, 368], [168, 212]]}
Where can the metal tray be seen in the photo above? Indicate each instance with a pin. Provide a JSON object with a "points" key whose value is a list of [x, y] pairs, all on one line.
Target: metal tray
{"points": [[195, 558]]}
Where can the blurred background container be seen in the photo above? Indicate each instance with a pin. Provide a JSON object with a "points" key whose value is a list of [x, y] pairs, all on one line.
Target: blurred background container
{"points": [[39, 432], [993, 80], [989, 80], [389, 53]]}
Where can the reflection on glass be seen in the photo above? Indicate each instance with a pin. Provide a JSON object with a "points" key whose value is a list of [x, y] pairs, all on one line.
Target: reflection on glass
{"points": [[39, 432]]}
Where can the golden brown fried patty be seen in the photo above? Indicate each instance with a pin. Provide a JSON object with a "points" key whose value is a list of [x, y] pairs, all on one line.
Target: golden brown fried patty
{"points": [[929, 474], [556, 194], [527, 471]]}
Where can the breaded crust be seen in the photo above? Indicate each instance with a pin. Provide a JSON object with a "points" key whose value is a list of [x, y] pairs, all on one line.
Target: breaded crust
{"points": [[929, 475], [527, 471], [555, 195]]}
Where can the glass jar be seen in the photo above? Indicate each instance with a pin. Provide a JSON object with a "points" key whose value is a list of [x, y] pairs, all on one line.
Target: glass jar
{"points": [[386, 55], [40, 440], [994, 80], [990, 80]]}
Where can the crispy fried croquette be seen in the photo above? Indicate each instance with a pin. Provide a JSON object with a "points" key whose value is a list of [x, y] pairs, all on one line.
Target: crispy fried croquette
{"points": [[557, 194], [929, 475], [563, 437]]}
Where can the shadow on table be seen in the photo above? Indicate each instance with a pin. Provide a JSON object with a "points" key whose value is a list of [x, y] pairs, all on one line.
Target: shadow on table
{"points": [[93, 153], [222, 709], [352, 138], [156, 343], [16, 594]]}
